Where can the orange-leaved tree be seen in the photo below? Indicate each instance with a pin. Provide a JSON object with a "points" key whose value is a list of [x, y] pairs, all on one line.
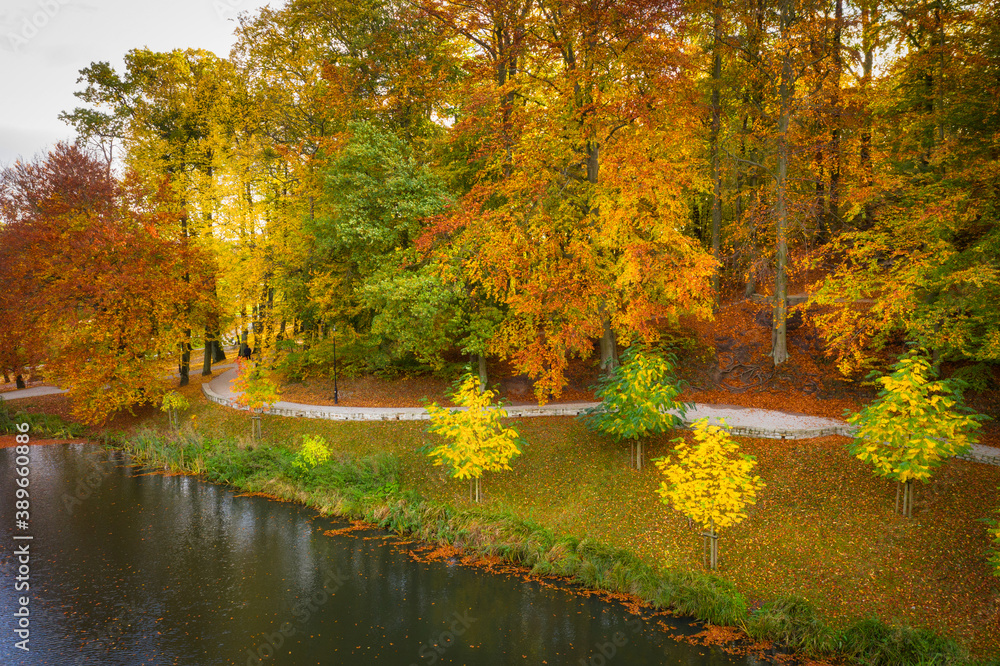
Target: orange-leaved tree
{"points": [[575, 226], [98, 274]]}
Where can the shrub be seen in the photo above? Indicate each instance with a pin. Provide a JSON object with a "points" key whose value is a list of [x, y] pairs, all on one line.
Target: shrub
{"points": [[314, 452], [873, 643]]}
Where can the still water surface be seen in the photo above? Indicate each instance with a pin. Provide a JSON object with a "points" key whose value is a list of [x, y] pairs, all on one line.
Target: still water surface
{"points": [[132, 569]]}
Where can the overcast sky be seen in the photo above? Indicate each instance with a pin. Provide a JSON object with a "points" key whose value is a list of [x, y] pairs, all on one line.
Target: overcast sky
{"points": [[45, 43]]}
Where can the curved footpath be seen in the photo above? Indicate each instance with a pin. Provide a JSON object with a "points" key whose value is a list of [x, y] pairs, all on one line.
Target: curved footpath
{"points": [[745, 421]]}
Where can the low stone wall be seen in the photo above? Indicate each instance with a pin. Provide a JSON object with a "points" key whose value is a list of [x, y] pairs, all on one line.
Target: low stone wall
{"points": [[980, 454]]}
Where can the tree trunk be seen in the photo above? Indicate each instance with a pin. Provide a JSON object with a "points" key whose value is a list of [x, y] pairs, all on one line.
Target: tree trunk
{"points": [[820, 216], [218, 351], [716, 124], [184, 370], [255, 426], [904, 498], [638, 455], [209, 353], [711, 547], [19, 382], [779, 341], [482, 372], [835, 151], [609, 351], [865, 152]]}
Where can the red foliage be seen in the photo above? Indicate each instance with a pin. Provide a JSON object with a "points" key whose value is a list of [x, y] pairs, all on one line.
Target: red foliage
{"points": [[99, 282]]}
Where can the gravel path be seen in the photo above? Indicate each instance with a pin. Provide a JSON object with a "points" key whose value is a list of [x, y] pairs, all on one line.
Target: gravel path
{"points": [[32, 392], [746, 421]]}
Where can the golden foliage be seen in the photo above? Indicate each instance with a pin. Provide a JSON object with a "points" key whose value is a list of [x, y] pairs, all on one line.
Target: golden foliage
{"points": [[476, 440], [710, 483]]}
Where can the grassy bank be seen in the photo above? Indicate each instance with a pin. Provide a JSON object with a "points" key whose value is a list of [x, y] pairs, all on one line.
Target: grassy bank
{"points": [[822, 564]]}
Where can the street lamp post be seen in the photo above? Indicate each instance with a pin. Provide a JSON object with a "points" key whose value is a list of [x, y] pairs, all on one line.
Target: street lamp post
{"points": [[335, 365]]}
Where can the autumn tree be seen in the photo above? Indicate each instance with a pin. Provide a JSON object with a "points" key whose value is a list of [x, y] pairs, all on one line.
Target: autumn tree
{"points": [[309, 69], [637, 400], [167, 108], [786, 52], [711, 483], [580, 238], [171, 403], [922, 263], [916, 424], [99, 272], [255, 390], [375, 200], [475, 439]]}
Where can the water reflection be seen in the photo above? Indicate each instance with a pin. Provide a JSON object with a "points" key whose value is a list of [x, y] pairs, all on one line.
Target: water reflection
{"points": [[145, 569]]}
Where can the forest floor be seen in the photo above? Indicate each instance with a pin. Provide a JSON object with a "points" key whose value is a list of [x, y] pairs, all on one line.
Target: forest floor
{"points": [[824, 528]]}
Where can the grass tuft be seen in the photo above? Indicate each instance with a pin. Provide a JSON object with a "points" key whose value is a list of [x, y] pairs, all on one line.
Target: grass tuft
{"points": [[792, 622], [871, 642]]}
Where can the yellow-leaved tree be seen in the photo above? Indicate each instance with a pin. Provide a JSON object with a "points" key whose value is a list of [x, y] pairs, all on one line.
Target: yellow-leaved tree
{"points": [[254, 391], [915, 424], [475, 439], [171, 403], [711, 483]]}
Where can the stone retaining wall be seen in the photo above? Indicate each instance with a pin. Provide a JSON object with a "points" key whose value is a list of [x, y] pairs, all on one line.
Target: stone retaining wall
{"points": [[981, 454]]}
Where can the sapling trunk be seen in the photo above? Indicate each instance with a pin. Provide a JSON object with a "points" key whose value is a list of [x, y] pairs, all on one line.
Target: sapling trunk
{"points": [[712, 546], [256, 432], [904, 498], [482, 372]]}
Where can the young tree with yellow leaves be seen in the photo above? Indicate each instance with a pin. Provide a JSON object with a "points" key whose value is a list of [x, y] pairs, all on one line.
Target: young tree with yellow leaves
{"points": [[256, 392], [913, 426], [710, 483], [476, 440]]}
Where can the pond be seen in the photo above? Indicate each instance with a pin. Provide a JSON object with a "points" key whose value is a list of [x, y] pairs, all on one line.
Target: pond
{"points": [[133, 568]]}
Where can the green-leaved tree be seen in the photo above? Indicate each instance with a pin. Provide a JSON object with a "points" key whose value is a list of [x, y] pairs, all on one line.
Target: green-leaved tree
{"points": [[638, 399]]}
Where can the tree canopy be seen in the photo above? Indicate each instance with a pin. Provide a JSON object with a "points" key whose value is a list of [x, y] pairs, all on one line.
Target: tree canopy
{"points": [[535, 181]]}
